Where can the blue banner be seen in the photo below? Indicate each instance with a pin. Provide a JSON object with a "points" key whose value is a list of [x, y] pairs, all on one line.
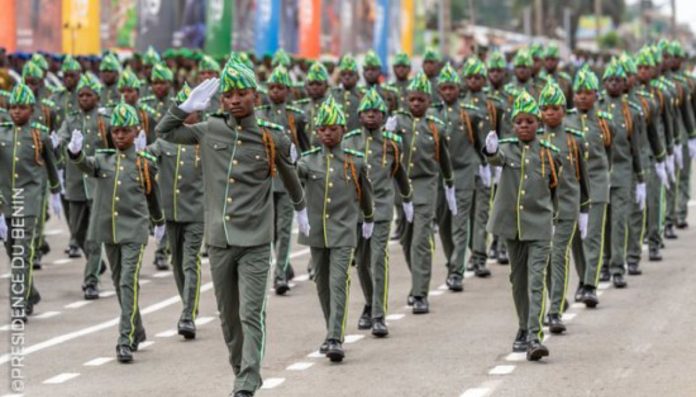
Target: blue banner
{"points": [[267, 26], [381, 34]]}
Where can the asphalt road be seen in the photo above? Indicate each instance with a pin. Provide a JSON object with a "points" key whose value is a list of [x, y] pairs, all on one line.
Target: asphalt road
{"points": [[638, 342]]}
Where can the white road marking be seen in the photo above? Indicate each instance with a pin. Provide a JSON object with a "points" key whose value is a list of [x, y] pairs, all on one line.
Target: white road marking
{"points": [[501, 370], [5, 275], [568, 316], [143, 282], [162, 274], [302, 277], [353, 338], [600, 293], [395, 317], [435, 293], [61, 378], [203, 320], [62, 261], [692, 203], [299, 253], [166, 334], [52, 232], [476, 392], [443, 287], [5, 328], [77, 305], [577, 305], [468, 274], [106, 294], [516, 357], [300, 366], [546, 337], [604, 285], [46, 315], [316, 354], [271, 383], [13, 395], [98, 361], [145, 344]]}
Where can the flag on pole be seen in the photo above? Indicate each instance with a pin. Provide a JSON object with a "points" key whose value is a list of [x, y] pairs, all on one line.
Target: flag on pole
{"points": [[266, 26], [310, 28], [218, 39], [381, 33]]}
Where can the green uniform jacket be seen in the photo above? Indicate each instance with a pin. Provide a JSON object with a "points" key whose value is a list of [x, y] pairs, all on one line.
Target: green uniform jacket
{"points": [[66, 103], [625, 152], [237, 170], [485, 113], [110, 96], [126, 196], [464, 124], [381, 152], [388, 93], [337, 188], [180, 180], [686, 123], [651, 142], [310, 108], [159, 106], [26, 159], [524, 203], [349, 100], [664, 89], [401, 88]]}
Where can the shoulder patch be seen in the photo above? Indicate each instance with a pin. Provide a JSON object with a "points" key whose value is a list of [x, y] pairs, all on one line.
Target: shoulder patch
{"points": [[572, 111], [354, 132], [468, 105], [148, 98], [39, 126], [392, 136], [310, 151], [148, 156], [6, 124], [636, 106], [605, 115], [147, 108], [434, 119], [268, 124], [575, 132], [512, 139], [549, 145], [402, 113], [48, 102], [302, 101], [106, 151], [262, 107], [353, 152], [294, 109]]}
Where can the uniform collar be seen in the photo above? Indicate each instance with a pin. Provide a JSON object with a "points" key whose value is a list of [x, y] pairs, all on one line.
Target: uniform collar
{"points": [[246, 123], [336, 150], [130, 152]]}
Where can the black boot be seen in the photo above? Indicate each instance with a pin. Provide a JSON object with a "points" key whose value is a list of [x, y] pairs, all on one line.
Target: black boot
{"points": [[618, 281], [604, 274], [365, 321], [589, 297], [161, 262], [91, 292], [669, 232], [420, 305], [454, 282], [682, 224], [535, 350], [379, 327], [520, 343], [324, 347], [124, 354], [335, 351], [579, 292], [280, 286], [503, 258], [556, 325], [654, 254], [74, 251], [634, 269], [187, 329]]}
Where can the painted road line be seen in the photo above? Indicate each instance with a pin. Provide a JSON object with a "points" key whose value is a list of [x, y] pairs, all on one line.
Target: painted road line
{"points": [[443, 287], [476, 392], [577, 305], [145, 344], [435, 293], [77, 305], [271, 383], [5, 328], [301, 277], [46, 315], [568, 316], [106, 294], [516, 357], [166, 334], [62, 378], [299, 253], [603, 285], [395, 317], [62, 261], [203, 320], [353, 338], [501, 370], [162, 274], [143, 282], [98, 361], [6, 275], [301, 366], [316, 354], [52, 232]]}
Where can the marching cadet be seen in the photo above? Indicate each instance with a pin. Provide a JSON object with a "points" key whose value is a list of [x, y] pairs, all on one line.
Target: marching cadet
{"points": [[625, 163], [596, 125], [181, 192], [209, 68], [317, 85], [523, 77], [66, 98], [426, 157], [381, 151], [523, 215], [26, 162], [463, 122], [93, 124], [552, 56], [401, 65], [150, 59], [109, 70], [346, 93], [337, 186], [536, 51], [239, 157], [293, 121], [125, 202], [129, 87], [432, 63], [161, 86], [372, 72], [572, 196]]}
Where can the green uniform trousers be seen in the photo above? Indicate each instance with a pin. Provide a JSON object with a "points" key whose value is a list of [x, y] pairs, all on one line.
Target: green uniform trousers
{"points": [[616, 227], [528, 260], [372, 259], [39, 239], [684, 187], [559, 260], [655, 203], [332, 267], [454, 230], [284, 213], [125, 261], [587, 253], [482, 207], [20, 249], [78, 222], [418, 246], [240, 279], [636, 225], [185, 240]]}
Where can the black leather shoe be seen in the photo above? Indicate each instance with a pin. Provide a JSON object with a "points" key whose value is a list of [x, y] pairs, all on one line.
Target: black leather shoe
{"points": [[470, 264], [281, 286], [556, 325], [140, 337], [589, 296], [535, 351], [124, 354], [161, 263], [74, 251], [29, 309], [335, 351], [44, 248], [243, 393], [493, 251], [36, 265], [634, 269], [682, 224], [365, 321], [91, 292], [503, 258], [618, 281], [187, 329], [669, 232], [604, 275], [409, 300], [454, 282], [379, 327], [420, 305], [324, 347], [102, 268], [481, 271], [520, 343], [654, 254], [289, 273], [578, 293], [310, 272]]}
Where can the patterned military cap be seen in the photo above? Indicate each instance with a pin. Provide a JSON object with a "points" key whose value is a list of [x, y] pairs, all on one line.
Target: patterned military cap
{"points": [[32, 70], [88, 81], [208, 63], [371, 60], [110, 64], [21, 95], [614, 69], [523, 58], [372, 101], [160, 72], [330, 113], [128, 79], [585, 80], [401, 59], [151, 57], [280, 76], [70, 65], [124, 115], [551, 95], [496, 60], [474, 66], [281, 58], [420, 83], [525, 103], [348, 64], [236, 76], [317, 72], [448, 75]]}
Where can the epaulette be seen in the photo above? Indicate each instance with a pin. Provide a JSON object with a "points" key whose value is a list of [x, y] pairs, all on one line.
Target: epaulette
{"points": [[301, 101], [6, 124], [644, 92], [435, 119], [48, 102], [310, 151], [262, 107], [510, 89], [390, 135], [512, 139], [148, 156], [39, 126], [390, 88], [605, 115], [680, 78], [106, 151], [353, 152], [494, 96], [268, 124], [294, 109], [549, 145], [402, 112], [147, 98], [572, 111], [354, 132], [564, 75], [469, 106], [575, 132], [636, 106], [147, 108]]}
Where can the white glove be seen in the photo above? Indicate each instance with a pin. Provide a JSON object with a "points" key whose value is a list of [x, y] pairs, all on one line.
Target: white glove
{"points": [[56, 205], [75, 144], [582, 224], [678, 156], [140, 141], [293, 153], [641, 195], [3, 228], [485, 174], [199, 98], [390, 125], [61, 178], [303, 221], [451, 199], [496, 176], [662, 173], [669, 163], [408, 211], [55, 139], [159, 232], [692, 148], [367, 228], [492, 142]]}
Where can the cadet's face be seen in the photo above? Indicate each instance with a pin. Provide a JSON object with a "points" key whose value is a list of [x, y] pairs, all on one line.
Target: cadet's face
{"points": [[418, 103], [644, 73], [108, 77], [430, 68], [630, 82], [277, 93], [130, 95], [526, 126], [401, 72], [33, 83], [496, 76], [585, 100], [87, 99], [160, 88], [147, 69], [538, 62], [552, 115], [550, 64], [615, 86], [449, 92], [349, 79], [20, 114], [204, 75], [239, 103], [371, 119], [523, 73], [123, 137], [316, 89], [70, 80], [330, 135], [475, 83], [371, 74]]}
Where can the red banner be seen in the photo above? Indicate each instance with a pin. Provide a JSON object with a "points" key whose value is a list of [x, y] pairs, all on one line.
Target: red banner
{"points": [[310, 28], [8, 25]]}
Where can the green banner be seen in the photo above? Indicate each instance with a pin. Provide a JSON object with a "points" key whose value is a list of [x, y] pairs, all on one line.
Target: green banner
{"points": [[218, 37]]}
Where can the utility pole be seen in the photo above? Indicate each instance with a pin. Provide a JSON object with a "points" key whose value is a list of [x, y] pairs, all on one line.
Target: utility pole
{"points": [[538, 18], [674, 19], [598, 17]]}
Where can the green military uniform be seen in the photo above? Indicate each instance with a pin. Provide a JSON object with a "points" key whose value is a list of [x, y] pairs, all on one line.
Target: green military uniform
{"points": [[348, 98], [208, 64], [310, 106], [388, 93], [110, 95], [64, 99], [401, 86], [432, 55], [561, 78]]}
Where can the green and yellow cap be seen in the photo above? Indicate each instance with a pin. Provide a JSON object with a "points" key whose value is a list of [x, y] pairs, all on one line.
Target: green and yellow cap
{"points": [[124, 115], [448, 75], [208, 63], [614, 69], [236, 76], [170, 53], [552, 51], [372, 101], [110, 64], [371, 60], [330, 113], [281, 58], [40, 61], [242, 58], [496, 60], [536, 50], [402, 59], [21, 95], [151, 57], [348, 64], [523, 58], [420, 83], [474, 66], [431, 54], [70, 65], [183, 94], [585, 80], [280, 76], [317, 72], [551, 95], [88, 81], [160, 72], [675, 49], [32, 70], [644, 57], [525, 103], [128, 79], [629, 64]]}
